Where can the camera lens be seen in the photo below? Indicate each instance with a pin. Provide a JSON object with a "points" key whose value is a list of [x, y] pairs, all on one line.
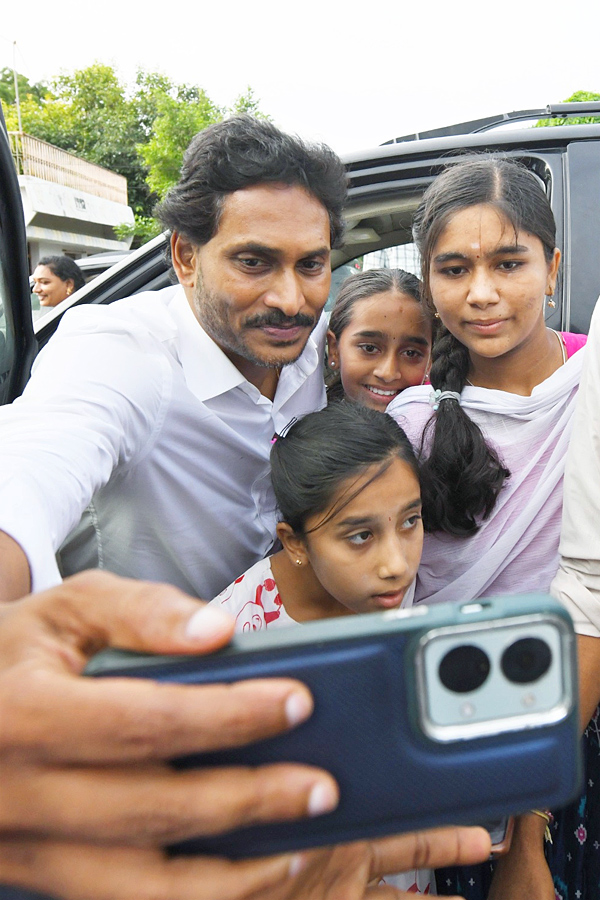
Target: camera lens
{"points": [[526, 660], [464, 669]]}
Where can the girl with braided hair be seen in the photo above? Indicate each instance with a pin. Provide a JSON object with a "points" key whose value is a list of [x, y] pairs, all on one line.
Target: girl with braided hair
{"points": [[492, 432]]}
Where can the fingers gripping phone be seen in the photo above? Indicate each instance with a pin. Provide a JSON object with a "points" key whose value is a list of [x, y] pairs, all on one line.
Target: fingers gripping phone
{"points": [[448, 714]]}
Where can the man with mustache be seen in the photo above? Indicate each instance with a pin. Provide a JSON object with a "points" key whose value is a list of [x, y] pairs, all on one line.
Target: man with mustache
{"points": [[154, 416]]}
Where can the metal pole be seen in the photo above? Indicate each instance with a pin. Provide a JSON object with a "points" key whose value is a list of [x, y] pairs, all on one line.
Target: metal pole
{"points": [[17, 86]]}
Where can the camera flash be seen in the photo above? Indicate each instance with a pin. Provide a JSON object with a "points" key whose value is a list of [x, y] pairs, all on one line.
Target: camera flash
{"points": [[467, 710], [528, 700]]}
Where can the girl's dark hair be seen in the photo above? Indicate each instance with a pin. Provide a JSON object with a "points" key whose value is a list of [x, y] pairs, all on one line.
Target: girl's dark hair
{"points": [[65, 269], [462, 475], [364, 285], [323, 449]]}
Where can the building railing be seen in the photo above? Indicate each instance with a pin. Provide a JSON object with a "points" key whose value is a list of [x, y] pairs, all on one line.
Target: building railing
{"points": [[42, 160]]}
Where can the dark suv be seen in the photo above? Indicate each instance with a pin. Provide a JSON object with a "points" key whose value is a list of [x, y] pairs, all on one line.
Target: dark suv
{"points": [[385, 186]]}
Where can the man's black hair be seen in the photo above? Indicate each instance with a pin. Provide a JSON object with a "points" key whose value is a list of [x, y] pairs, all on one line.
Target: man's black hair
{"points": [[241, 152]]}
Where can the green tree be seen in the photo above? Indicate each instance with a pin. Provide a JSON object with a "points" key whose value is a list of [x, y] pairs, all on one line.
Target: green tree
{"points": [[577, 97], [181, 113], [140, 132], [247, 103], [88, 113], [7, 86]]}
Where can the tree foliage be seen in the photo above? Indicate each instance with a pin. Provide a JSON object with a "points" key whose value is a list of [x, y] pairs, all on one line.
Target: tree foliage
{"points": [[7, 87], [577, 97], [180, 114], [140, 132]]}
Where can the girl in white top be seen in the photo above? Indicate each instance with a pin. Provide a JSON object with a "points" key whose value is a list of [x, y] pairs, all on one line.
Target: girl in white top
{"points": [[347, 486]]}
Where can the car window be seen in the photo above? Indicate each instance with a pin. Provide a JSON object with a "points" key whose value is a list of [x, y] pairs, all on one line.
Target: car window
{"points": [[399, 256]]}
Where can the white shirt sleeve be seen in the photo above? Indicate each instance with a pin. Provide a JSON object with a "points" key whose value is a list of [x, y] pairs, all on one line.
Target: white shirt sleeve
{"points": [[577, 583], [94, 402]]}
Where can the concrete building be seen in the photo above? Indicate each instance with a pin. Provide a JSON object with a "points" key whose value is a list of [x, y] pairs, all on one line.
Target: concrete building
{"points": [[71, 206]]}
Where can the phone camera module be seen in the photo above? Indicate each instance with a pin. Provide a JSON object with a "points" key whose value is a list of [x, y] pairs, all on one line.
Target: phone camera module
{"points": [[526, 660], [464, 668]]}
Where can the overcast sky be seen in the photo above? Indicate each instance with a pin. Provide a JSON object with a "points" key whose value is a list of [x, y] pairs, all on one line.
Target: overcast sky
{"points": [[351, 74]]}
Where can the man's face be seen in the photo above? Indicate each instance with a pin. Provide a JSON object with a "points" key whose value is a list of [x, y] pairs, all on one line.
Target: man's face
{"points": [[259, 285]]}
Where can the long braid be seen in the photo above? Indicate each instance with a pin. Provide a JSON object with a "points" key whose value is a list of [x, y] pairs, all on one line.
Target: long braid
{"points": [[449, 362], [461, 474]]}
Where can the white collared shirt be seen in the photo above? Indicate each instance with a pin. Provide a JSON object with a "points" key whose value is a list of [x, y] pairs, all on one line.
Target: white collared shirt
{"points": [[137, 421]]}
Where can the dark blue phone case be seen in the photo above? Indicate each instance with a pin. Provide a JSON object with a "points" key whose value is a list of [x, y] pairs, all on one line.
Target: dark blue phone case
{"points": [[366, 731]]}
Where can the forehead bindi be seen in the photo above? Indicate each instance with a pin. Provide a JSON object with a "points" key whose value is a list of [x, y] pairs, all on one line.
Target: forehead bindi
{"points": [[480, 230]]}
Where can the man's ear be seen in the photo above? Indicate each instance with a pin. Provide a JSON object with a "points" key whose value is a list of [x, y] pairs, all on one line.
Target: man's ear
{"points": [[293, 544], [184, 256]]}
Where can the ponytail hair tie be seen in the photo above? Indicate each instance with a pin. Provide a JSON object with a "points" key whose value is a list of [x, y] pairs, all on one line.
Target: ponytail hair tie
{"points": [[436, 397]]}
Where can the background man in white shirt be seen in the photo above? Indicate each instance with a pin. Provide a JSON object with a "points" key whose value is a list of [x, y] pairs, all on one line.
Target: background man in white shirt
{"points": [[142, 440]]}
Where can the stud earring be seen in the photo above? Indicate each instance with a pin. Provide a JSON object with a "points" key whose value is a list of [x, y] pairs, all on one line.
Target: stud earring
{"points": [[298, 562], [332, 363], [436, 315]]}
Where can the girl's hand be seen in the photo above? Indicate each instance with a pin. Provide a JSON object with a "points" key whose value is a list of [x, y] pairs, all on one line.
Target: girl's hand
{"points": [[352, 871], [523, 873]]}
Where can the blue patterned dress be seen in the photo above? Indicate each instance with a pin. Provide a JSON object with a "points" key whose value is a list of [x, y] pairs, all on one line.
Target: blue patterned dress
{"points": [[574, 854]]}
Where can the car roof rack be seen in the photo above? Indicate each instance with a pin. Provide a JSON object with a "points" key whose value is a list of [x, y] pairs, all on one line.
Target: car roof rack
{"points": [[552, 111]]}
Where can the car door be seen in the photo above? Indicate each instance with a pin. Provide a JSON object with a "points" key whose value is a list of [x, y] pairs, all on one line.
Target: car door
{"points": [[17, 341]]}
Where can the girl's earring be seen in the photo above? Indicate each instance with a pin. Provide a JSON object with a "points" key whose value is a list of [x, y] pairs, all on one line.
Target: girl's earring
{"points": [[436, 315], [551, 302], [332, 363], [298, 562]]}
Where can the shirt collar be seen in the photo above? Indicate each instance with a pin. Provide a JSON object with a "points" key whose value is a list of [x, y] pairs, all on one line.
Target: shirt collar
{"points": [[209, 373]]}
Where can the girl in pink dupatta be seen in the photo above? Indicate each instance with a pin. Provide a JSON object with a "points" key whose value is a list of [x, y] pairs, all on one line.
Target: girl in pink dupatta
{"points": [[494, 425]]}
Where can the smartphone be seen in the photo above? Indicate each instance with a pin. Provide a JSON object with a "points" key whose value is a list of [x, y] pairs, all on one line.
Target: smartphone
{"points": [[449, 714]]}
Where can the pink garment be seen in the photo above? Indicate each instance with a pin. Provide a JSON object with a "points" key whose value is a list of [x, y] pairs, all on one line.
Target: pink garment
{"points": [[573, 342], [516, 549]]}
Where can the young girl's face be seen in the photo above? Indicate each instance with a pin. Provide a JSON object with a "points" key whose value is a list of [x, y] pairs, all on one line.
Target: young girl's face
{"points": [[367, 554], [488, 283], [385, 348]]}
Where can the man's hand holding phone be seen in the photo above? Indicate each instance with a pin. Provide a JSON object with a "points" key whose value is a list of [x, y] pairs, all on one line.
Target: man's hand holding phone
{"points": [[87, 798]]}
